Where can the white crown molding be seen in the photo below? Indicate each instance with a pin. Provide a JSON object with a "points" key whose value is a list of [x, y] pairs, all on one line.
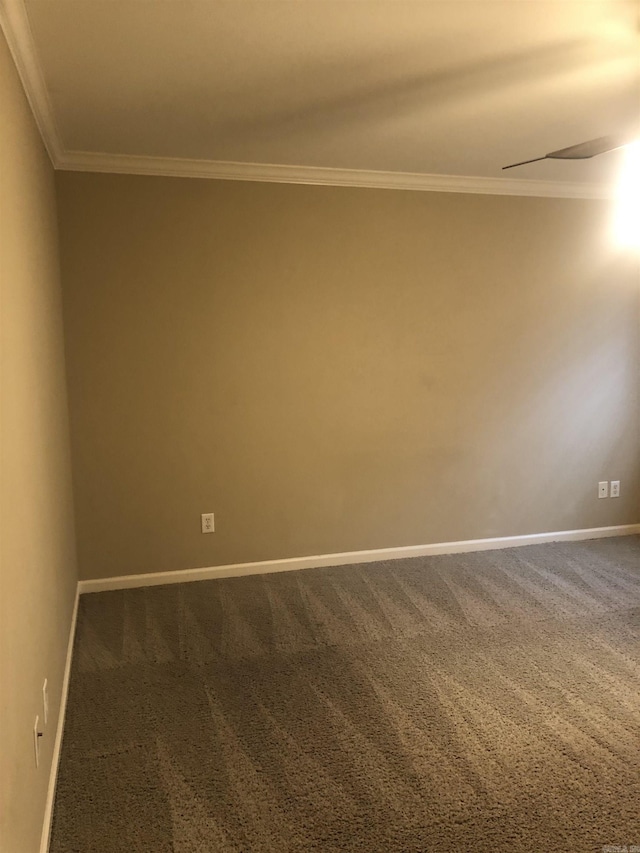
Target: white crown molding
{"points": [[350, 558], [14, 22], [126, 164]]}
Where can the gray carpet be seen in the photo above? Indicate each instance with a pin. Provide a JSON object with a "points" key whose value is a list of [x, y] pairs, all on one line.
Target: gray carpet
{"points": [[480, 702]]}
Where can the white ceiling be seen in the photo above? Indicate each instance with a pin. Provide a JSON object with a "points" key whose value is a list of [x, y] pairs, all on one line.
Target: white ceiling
{"points": [[435, 87]]}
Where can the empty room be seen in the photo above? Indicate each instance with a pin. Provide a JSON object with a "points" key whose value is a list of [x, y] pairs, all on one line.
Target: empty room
{"points": [[320, 426]]}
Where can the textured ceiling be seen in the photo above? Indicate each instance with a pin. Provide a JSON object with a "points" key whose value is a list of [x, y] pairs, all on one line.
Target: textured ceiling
{"points": [[459, 87]]}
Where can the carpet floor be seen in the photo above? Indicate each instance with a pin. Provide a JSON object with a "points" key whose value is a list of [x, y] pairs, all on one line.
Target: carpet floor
{"points": [[476, 702]]}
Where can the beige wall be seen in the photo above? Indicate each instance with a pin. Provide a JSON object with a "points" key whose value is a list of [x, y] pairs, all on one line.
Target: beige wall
{"points": [[37, 571], [332, 369]]}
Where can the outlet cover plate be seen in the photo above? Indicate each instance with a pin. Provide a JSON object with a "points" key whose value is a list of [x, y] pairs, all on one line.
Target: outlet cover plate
{"points": [[36, 740], [207, 522]]}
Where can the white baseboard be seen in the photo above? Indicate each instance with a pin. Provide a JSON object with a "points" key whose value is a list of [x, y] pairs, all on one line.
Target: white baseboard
{"points": [[55, 759], [350, 557]]}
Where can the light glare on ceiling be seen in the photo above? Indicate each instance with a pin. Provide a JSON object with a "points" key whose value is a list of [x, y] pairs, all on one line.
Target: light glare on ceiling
{"points": [[627, 210]]}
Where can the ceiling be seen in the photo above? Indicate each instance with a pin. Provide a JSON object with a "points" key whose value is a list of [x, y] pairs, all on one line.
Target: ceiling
{"points": [[429, 88]]}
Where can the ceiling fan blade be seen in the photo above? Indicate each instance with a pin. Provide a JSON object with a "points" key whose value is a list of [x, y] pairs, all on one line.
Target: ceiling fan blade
{"points": [[582, 151], [524, 162], [586, 150]]}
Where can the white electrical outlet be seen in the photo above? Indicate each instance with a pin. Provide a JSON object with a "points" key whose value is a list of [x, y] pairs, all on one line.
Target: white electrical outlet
{"points": [[615, 488], [207, 522], [45, 702], [37, 734], [603, 489]]}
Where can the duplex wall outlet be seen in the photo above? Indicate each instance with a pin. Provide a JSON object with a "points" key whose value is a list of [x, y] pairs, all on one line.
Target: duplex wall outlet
{"points": [[603, 489], [615, 488], [207, 522], [37, 734]]}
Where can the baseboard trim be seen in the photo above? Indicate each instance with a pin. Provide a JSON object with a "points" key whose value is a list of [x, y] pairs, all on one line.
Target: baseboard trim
{"points": [[55, 759], [349, 558]]}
